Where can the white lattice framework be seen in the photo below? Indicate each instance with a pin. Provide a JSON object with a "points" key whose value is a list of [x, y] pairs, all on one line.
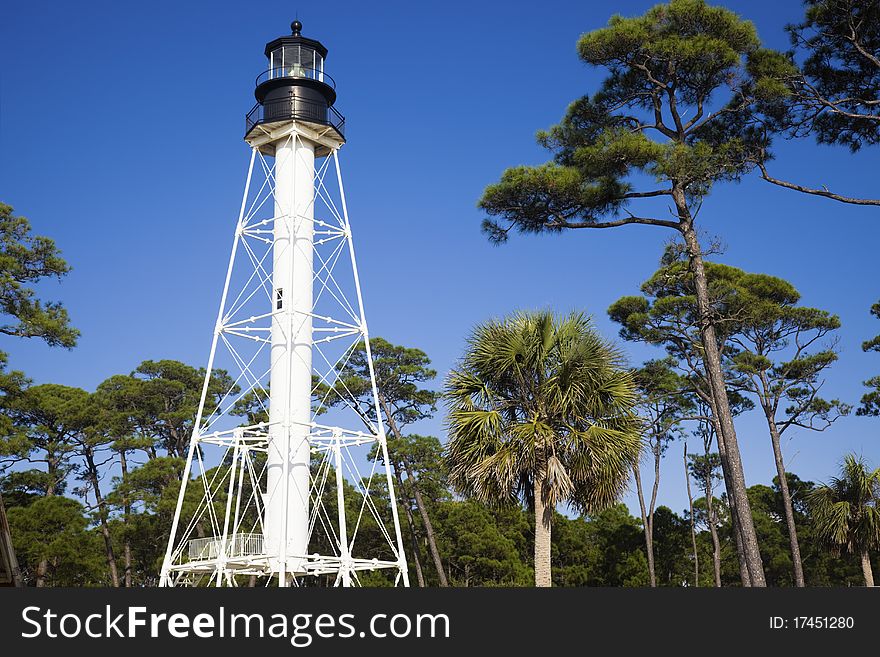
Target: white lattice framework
{"points": [[217, 536]]}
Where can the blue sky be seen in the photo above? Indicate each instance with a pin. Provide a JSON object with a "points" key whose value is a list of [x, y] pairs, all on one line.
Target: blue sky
{"points": [[121, 137]]}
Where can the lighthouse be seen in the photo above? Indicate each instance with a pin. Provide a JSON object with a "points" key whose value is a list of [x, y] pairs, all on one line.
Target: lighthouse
{"points": [[292, 90], [255, 504]]}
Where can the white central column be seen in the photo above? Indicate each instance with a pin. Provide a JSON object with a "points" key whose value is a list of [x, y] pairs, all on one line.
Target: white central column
{"points": [[287, 502]]}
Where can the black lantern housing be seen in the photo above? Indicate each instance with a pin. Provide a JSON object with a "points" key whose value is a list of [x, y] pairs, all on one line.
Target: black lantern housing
{"points": [[295, 86]]}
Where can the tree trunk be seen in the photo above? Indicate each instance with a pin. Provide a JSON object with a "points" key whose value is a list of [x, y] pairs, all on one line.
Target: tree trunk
{"points": [[716, 544], [8, 548], [646, 524], [658, 454], [866, 568], [53, 464], [126, 551], [179, 446], [744, 575], [126, 513], [52, 470], [713, 530], [709, 494], [423, 511], [414, 546], [92, 474], [429, 528], [543, 516], [687, 478], [736, 483], [42, 569], [796, 562]]}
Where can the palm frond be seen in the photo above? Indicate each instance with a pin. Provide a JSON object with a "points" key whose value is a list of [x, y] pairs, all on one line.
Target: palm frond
{"points": [[846, 511], [537, 395]]}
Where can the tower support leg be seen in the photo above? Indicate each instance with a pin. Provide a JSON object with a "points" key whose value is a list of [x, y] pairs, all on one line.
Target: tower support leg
{"points": [[344, 575]]}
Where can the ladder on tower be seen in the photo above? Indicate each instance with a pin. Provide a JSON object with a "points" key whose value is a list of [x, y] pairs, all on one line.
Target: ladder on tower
{"points": [[10, 575]]}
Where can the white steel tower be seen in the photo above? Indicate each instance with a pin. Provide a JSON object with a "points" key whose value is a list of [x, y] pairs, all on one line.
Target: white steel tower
{"points": [[287, 478]]}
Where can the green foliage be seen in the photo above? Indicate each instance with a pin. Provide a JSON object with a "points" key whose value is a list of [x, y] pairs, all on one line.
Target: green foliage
{"points": [[847, 509], [21, 487], [705, 41], [415, 460], [47, 419], [537, 396], [604, 549], [666, 315], [772, 75], [577, 551], [26, 259], [676, 106], [836, 96], [398, 370], [821, 567], [11, 385], [152, 487], [618, 537], [673, 561], [54, 529], [33, 421], [871, 400], [159, 401], [705, 469], [770, 525], [481, 546], [664, 403], [768, 341], [143, 502], [484, 547], [421, 457], [779, 349]]}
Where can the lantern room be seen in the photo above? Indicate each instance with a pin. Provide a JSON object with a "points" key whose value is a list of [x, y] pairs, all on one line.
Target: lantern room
{"points": [[295, 86], [296, 57]]}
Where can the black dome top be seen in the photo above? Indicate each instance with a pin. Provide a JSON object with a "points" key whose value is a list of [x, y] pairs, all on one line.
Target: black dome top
{"points": [[296, 38]]}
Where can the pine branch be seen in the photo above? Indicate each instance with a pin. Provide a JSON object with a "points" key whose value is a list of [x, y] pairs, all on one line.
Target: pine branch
{"points": [[648, 221], [816, 192]]}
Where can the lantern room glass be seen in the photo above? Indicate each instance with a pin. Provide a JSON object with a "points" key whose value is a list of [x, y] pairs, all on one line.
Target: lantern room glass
{"points": [[296, 61]]}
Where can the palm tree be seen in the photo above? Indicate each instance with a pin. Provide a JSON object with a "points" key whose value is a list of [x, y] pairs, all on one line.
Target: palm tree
{"points": [[846, 512], [541, 411]]}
